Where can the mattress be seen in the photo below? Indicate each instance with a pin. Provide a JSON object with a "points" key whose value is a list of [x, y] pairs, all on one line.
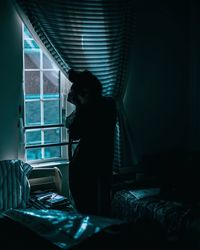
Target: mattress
{"points": [[178, 221]]}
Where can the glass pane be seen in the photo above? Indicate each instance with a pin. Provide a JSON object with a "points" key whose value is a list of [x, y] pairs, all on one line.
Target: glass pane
{"points": [[48, 63], [33, 154], [52, 152], [51, 112], [70, 108], [32, 84], [33, 137], [27, 34], [33, 113], [30, 44], [32, 59], [51, 84], [52, 136]]}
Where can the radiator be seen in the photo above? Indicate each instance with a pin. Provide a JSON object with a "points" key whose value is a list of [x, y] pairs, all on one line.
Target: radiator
{"points": [[46, 179]]}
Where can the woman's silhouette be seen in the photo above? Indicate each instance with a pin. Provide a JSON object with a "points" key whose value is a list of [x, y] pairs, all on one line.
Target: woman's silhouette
{"points": [[93, 124]]}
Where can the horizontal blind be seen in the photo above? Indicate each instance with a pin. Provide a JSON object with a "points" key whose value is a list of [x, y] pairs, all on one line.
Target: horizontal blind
{"points": [[89, 34]]}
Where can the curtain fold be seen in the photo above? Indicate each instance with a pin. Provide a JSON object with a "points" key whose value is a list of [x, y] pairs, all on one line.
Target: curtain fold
{"points": [[90, 34]]}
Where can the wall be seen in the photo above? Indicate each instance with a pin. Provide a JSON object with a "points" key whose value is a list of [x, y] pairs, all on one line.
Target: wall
{"points": [[10, 79], [157, 96], [194, 62]]}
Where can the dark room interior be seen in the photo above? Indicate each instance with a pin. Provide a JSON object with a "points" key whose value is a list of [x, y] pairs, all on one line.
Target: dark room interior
{"points": [[146, 54]]}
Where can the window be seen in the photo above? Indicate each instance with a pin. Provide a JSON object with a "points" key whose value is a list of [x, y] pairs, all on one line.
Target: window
{"points": [[45, 90]]}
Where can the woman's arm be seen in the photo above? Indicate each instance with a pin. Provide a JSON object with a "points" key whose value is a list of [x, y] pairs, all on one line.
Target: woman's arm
{"points": [[74, 124]]}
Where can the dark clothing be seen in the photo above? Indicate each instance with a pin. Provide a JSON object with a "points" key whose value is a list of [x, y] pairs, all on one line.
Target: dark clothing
{"points": [[90, 170]]}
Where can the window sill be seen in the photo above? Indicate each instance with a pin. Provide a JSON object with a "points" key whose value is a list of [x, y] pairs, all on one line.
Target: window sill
{"points": [[50, 164]]}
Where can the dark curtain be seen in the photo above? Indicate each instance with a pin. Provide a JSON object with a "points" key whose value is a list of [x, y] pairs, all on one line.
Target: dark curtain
{"points": [[90, 34]]}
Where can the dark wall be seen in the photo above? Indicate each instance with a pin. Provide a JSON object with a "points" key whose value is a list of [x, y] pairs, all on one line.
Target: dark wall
{"points": [[10, 79], [157, 100], [194, 66]]}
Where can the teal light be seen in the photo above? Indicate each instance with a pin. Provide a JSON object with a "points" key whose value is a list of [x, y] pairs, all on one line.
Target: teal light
{"points": [[30, 44], [27, 34]]}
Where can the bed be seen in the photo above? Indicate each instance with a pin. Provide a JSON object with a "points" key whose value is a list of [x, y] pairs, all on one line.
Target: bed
{"points": [[173, 221]]}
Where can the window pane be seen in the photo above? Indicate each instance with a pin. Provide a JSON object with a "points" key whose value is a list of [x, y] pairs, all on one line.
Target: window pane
{"points": [[52, 152], [33, 113], [70, 108], [33, 137], [34, 154], [52, 136], [32, 59], [27, 34], [42, 87], [32, 84], [51, 112], [51, 84], [48, 63], [30, 44]]}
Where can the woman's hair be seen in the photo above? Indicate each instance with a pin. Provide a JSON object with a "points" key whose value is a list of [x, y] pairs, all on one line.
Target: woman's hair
{"points": [[85, 80]]}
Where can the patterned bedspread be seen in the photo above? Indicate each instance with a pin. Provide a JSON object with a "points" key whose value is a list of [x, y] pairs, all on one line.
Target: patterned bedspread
{"points": [[177, 220]]}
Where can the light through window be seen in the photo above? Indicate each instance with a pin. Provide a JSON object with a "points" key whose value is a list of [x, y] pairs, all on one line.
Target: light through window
{"points": [[45, 91]]}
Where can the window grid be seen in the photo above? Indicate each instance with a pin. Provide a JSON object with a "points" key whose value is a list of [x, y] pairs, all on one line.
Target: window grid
{"points": [[44, 127]]}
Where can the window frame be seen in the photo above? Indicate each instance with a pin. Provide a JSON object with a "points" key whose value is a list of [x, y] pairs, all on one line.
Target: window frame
{"points": [[63, 144]]}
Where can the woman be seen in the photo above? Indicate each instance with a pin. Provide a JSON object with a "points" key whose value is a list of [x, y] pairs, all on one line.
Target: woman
{"points": [[93, 124]]}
